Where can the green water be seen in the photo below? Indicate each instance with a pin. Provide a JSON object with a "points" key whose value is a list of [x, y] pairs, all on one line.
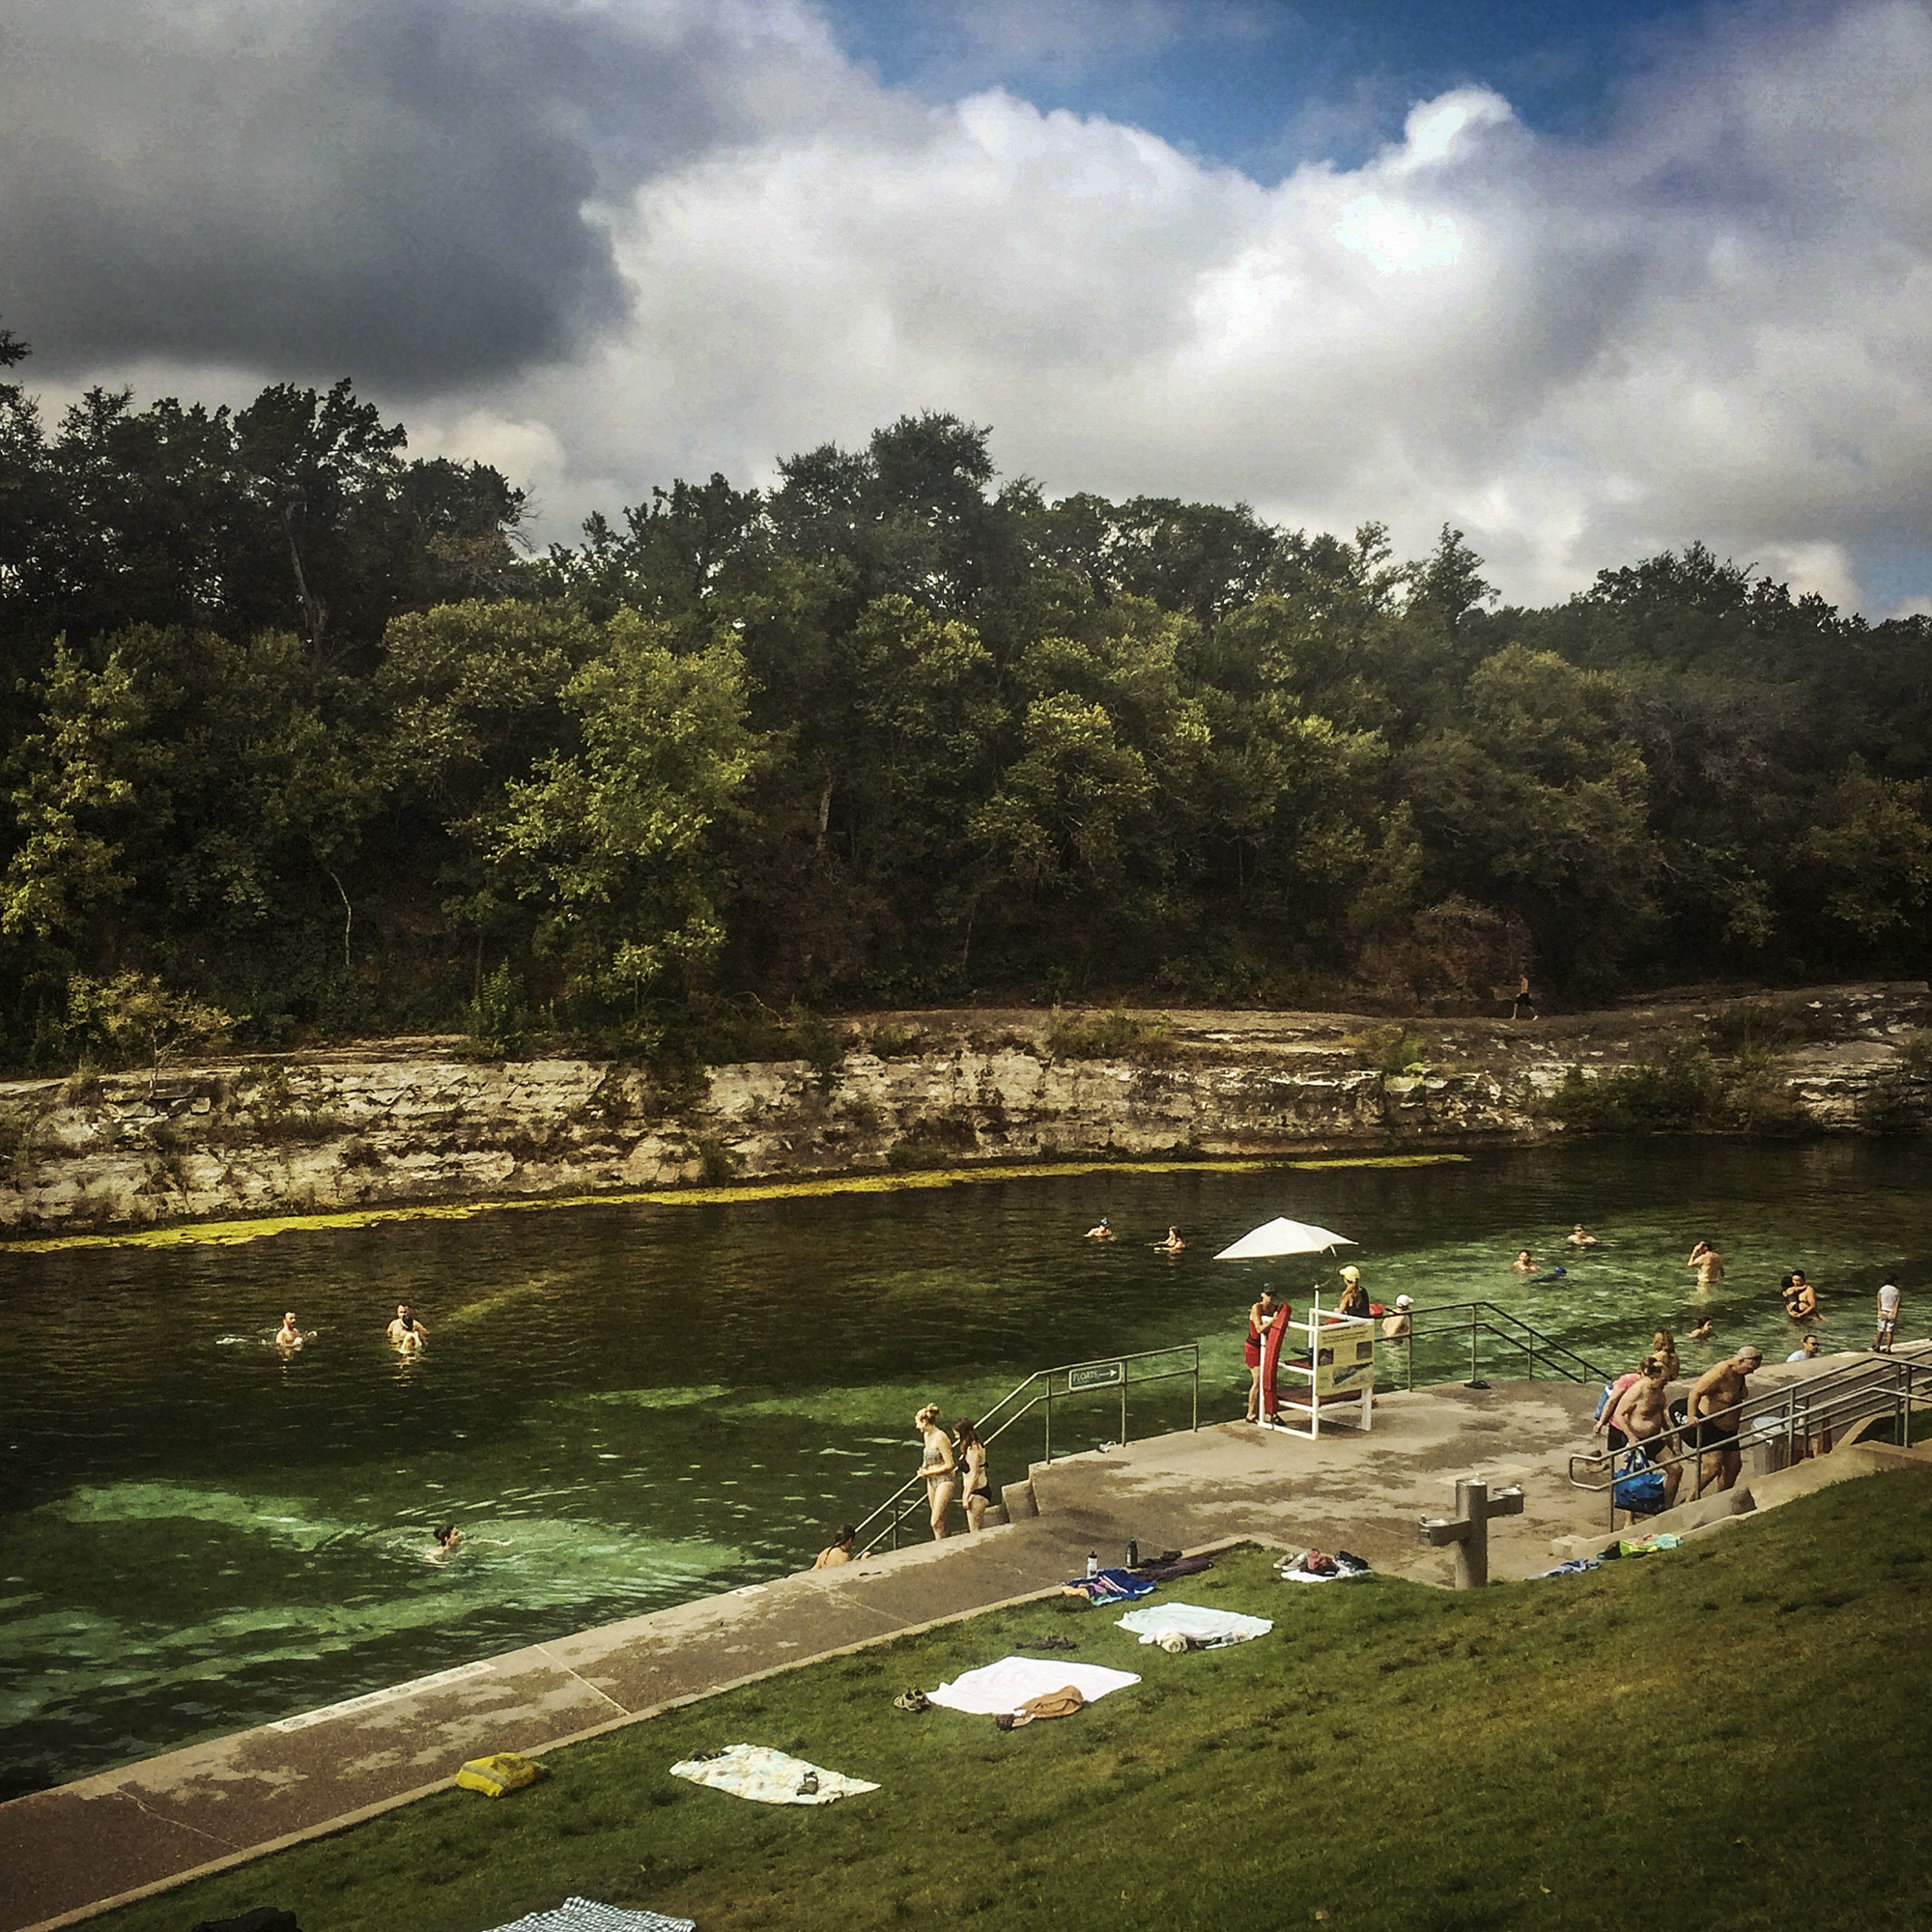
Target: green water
{"points": [[625, 1407]]}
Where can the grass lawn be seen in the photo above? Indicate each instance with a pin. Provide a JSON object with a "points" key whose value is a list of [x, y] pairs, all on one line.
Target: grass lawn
{"points": [[1731, 1735]]}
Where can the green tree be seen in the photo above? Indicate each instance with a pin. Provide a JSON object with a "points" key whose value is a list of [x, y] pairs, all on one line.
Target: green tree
{"points": [[614, 846]]}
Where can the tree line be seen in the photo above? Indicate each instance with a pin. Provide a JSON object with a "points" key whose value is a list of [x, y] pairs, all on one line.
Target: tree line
{"points": [[301, 732]]}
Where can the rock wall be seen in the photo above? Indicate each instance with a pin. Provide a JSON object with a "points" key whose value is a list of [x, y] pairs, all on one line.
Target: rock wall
{"points": [[415, 1120]]}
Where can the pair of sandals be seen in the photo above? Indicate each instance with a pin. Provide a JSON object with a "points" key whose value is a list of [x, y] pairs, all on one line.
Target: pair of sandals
{"points": [[912, 1700]]}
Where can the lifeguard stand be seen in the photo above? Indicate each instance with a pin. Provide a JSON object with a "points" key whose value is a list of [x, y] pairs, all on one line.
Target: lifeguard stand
{"points": [[1337, 1379]]}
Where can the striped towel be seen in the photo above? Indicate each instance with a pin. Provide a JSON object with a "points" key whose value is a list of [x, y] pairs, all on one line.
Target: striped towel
{"points": [[585, 1915]]}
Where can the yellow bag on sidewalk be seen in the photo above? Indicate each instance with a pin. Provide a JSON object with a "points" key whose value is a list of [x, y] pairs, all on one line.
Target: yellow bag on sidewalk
{"points": [[495, 1776]]}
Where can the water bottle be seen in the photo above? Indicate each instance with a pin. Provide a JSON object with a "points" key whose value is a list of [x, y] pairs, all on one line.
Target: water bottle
{"points": [[1133, 1554], [1093, 1565]]}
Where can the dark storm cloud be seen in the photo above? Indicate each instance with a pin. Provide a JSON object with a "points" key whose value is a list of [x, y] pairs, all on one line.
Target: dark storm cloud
{"points": [[392, 188]]}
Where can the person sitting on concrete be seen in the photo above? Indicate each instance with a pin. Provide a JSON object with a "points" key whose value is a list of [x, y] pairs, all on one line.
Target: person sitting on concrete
{"points": [[1395, 1327], [1713, 1412], [838, 1551], [1807, 1353]]}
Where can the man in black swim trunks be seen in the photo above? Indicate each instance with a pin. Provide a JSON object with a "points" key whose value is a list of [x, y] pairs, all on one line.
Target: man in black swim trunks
{"points": [[1712, 1414]]}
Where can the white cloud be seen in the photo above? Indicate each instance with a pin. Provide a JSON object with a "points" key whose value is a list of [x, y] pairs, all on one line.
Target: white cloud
{"points": [[1715, 321]]}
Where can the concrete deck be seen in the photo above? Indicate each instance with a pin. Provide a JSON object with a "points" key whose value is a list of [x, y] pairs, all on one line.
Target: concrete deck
{"points": [[70, 1852]]}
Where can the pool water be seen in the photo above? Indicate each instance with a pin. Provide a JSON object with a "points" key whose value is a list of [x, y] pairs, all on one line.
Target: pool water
{"points": [[627, 1406]]}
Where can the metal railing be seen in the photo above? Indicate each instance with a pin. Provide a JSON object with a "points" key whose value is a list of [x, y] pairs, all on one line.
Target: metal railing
{"points": [[1809, 1412], [1072, 1381], [1483, 1320]]}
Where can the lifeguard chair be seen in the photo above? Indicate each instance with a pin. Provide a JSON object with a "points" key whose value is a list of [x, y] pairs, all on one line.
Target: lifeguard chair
{"points": [[1334, 1381]]}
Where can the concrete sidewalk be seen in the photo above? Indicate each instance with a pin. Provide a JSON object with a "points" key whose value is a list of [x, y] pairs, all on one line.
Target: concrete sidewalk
{"points": [[72, 1851]]}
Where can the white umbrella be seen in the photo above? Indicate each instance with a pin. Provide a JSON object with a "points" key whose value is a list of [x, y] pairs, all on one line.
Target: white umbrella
{"points": [[1283, 1237]]}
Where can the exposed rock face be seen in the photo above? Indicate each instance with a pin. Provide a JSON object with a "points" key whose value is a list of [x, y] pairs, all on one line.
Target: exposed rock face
{"points": [[415, 1121]]}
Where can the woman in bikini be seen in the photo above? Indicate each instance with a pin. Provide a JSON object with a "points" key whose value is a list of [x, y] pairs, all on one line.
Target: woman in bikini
{"points": [[937, 1466], [972, 1454]]}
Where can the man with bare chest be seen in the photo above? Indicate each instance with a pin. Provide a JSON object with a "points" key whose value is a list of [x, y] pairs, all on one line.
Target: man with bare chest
{"points": [[1714, 1420], [1643, 1414]]}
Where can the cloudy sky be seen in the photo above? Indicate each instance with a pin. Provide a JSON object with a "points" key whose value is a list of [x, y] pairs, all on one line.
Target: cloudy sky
{"points": [[1586, 281]]}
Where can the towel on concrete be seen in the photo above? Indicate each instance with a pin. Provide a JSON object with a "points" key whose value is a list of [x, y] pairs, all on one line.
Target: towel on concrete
{"points": [[585, 1915], [769, 1777], [995, 1688], [1203, 1629]]}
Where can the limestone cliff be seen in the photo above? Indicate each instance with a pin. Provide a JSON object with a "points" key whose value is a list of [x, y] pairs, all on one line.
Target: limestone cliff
{"points": [[413, 1119]]}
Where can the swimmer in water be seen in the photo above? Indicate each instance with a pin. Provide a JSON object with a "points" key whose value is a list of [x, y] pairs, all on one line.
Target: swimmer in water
{"points": [[405, 1332], [1581, 1237], [1101, 1231], [1174, 1244], [448, 1541], [288, 1335], [1703, 1332], [1523, 1263]]}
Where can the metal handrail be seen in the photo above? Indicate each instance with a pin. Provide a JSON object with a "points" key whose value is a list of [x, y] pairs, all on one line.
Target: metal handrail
{"points": [[1104, 1373], [1485, 1317], [1814, 1405]]}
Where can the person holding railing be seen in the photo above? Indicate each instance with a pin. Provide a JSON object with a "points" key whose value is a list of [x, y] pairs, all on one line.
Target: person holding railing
{"points": [[1643, 1415], [1713, 1416]]}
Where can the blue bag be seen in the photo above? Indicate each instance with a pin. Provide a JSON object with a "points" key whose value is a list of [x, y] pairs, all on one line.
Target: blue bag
{"points": [[1640, 1487]]}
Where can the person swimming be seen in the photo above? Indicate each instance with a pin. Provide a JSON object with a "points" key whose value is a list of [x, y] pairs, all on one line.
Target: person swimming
{"points": [[1524, 1263], [1174, 1244], [1102, 1230], [288, 1335], [448, 1541], [405, 1332]]}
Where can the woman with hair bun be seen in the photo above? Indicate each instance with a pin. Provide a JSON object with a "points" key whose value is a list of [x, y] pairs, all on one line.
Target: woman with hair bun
{"points": [[937, 1466]]}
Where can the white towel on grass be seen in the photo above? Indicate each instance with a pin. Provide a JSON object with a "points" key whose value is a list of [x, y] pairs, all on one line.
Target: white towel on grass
{"points": [[1204, 1629], [585, 1915], [768, 1777], [995, 1688]]}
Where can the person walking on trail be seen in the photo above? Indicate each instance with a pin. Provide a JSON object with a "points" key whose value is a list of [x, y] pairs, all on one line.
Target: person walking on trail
{"points": [[1643, 1415], [936, 1467], [1708, 1264], [1888, 1317], [1520, 998], [1713, 1417]]}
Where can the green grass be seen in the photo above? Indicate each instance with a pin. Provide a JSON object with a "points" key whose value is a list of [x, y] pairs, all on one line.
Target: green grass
{"points": [[1730, 1734]]}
